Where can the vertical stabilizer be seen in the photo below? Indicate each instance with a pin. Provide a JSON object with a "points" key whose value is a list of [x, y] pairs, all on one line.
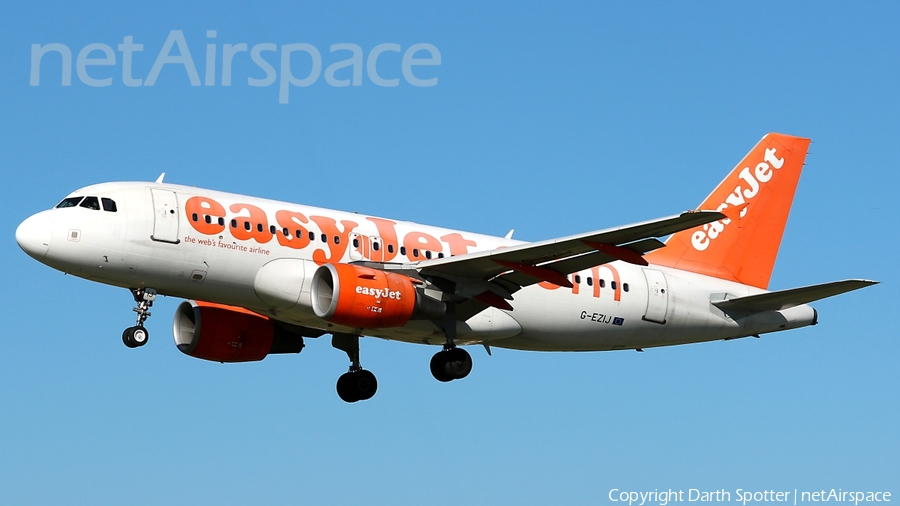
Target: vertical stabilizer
{"points": [[757, 197]]}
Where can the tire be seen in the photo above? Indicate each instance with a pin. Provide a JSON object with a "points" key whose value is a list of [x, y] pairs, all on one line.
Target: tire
{"points": [[346, 389], [459, 363], [128, 337], [439, 367], [139, 336], [365, 383]]}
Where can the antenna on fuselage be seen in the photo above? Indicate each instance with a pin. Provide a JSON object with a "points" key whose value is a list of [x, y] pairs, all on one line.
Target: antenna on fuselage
{"points": [[509, 234], [161, 177]]}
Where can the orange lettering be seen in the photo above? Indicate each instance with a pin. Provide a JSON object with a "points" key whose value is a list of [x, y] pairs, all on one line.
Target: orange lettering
{"points": [[419, 242], [257, 223], [458, 245], [297, 237], [198, 208], [337, 248]]}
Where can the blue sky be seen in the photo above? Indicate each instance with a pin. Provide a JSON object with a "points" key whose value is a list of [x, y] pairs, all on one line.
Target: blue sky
{"points": [[550, 119]]}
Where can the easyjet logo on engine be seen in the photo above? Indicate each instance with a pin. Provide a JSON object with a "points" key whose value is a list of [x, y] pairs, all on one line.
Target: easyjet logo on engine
{"points": [[378, 293], [750, 183]]}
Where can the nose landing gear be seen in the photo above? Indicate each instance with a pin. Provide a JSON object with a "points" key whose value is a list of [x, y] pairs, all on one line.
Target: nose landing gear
{"points": [[357, 384], [136, 336]]}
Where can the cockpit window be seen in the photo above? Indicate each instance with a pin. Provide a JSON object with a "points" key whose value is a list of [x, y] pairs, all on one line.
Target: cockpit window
{"points": [[90, 203], [109, 204], [69, 202]]}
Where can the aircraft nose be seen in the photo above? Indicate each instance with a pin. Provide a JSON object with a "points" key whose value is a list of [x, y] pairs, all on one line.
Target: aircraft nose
{"points": [[33, 235]]}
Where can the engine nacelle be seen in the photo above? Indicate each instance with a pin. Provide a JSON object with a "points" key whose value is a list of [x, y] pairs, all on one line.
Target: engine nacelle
{"points": [[229, 334], [369, 298]]}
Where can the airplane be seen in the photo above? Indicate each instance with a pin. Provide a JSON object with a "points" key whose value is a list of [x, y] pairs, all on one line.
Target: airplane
{"points": [[259, 276]]}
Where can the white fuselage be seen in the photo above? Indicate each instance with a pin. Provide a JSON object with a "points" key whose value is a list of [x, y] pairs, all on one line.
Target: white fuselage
{"points": [[154, 240]]}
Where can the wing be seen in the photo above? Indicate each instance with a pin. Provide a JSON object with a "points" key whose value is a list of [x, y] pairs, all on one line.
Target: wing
{"points": [[491, 277]]}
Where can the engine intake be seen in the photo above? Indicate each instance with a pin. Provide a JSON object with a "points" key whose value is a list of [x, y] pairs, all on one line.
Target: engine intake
{"points": [[229, 334], [367, 298]]}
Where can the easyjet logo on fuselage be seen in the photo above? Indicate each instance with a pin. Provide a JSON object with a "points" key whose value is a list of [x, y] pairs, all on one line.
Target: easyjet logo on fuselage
{"points": [[249, 222], [748, 188]]}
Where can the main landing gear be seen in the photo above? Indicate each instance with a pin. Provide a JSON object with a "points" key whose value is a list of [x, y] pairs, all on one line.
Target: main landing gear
{"points": [[357, 384], [136, 336], [452, 363]]}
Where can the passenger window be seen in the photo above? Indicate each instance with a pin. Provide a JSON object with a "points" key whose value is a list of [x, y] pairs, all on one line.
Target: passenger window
{"points": [[259, 227], [375, 245], [440, 255], [208, 218], [233, 223], [602, 283], [109, 205], [272, 229], [91, 203], [247, 226], [590, 281], [613, 285], [428, 255], [390, 248], [286, 232], [312, 236], [194, 217], [416, 252], [69, 202], [403, 250], [625, 286], [355, 242], [577, 279], [337, 240], [221, 222], [324, 238]]}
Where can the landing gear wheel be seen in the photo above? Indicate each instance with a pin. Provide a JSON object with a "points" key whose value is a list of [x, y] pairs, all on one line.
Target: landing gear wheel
{"points": [[139, 335], [459, 363], [128, 337], [359, 385], [134, 337], [439, 367], [448, 365], [345, 388]]}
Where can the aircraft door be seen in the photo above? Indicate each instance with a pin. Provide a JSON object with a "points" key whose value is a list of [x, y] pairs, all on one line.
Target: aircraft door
{"points": [[357, 247], [165, 216], [376, 249], [657, 296]]}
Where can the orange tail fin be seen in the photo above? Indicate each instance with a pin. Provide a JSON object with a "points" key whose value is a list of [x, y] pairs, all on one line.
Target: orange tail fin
{"points": [[756, 196]]}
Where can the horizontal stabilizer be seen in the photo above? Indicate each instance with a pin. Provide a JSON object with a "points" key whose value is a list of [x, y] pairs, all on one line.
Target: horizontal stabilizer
{"points": [[783, 299]]}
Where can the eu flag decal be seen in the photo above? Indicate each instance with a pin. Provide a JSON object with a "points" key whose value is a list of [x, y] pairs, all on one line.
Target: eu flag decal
{"points": [[618, 321]]}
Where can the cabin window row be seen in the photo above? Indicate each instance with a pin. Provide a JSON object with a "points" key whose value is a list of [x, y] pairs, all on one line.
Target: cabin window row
{"points": [[312, 235], [601, 282]]}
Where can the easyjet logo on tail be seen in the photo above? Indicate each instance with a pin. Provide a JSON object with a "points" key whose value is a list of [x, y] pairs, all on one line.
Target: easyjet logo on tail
{"points": [[749, 185]]}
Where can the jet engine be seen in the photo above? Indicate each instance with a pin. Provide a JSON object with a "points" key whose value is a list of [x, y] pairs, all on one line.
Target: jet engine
{"points": [[366, 298], [229, 334]]}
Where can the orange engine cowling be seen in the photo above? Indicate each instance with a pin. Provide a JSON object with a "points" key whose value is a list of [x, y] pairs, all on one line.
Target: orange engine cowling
{"points": [[229, 334], [369, 298]]}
